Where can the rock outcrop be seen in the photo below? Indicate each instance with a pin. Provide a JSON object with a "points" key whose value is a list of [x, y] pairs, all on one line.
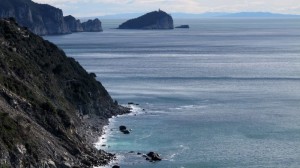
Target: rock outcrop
{"points": [[73, 24], [41, 19], [124, 130], [92, 26], [153, 20], [153, 157], [44, 100]]}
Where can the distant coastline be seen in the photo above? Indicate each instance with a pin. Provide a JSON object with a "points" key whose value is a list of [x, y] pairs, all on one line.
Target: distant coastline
{"points": [[201, 15]]}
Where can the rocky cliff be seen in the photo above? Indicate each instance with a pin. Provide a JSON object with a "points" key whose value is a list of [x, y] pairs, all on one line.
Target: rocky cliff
{"points": [[92, 26], [41, 19], [153, 20], [50, 107], [73, 24]]}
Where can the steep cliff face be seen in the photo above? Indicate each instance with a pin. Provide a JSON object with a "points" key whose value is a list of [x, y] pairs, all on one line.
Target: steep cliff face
{"points": [[73, 24], [153, 20], [39, 18], [43, 19], [92, 26], [47, 103]]}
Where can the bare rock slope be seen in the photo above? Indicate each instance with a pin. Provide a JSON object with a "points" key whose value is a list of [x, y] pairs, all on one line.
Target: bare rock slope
{"points": [[45, 98]]}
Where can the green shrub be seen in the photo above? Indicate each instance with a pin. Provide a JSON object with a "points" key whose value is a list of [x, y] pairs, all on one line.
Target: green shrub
{"points": [[9, 132], [48, 107]]}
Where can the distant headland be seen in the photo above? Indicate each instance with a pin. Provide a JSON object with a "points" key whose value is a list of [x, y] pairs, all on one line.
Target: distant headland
{"points": [[43, 19]]}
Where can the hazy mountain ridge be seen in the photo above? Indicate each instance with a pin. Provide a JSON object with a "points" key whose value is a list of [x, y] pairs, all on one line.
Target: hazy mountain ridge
{"points": [[204, 15]]}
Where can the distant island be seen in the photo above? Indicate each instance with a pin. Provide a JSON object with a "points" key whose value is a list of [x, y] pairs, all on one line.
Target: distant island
{"points": [[183, 27], [153, 20], [43, 19]]}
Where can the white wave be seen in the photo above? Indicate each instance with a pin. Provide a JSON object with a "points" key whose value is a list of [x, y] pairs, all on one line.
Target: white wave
{"points": [[135, 109], [107, 130], [181, 150], [146, 136], [188, 107], [102, 140]]}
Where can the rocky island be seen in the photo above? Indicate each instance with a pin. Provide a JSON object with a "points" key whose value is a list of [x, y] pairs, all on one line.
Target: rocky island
{"points": [[182, 27], [51, 109], [92, 26], [153, 20], [43, 19]]}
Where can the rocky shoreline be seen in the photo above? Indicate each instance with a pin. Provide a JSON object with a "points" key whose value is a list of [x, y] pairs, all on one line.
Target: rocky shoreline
{"points": [[147, 156]]}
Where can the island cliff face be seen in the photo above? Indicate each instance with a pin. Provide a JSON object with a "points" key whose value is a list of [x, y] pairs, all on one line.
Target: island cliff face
{"points": [[41, 19], [153, 20], [92, 26], [51, 109], [73, 24]]}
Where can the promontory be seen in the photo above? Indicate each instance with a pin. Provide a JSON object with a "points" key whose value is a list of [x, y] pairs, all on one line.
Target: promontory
{"points": [[51, 109], [153, 20], [43, 19]]}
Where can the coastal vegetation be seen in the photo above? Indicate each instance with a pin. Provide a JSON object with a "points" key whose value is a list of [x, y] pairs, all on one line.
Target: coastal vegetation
{"points": [[44, 96]]}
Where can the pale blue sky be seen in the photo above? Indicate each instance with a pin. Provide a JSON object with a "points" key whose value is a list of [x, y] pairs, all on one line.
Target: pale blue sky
{"points": [[83, 8]]}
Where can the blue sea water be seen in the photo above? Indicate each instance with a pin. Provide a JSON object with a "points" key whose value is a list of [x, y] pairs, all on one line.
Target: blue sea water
{"points": [[225, 93]]}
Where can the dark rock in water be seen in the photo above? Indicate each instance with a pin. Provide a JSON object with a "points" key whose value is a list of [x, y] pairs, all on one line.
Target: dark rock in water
{"points": [[139, 153], [131, 152], [154, 156], [153, 20], [92, 26], [122, 128], [183, 27], [130, 103], [116, 166], [126, 132], [73, 24]]}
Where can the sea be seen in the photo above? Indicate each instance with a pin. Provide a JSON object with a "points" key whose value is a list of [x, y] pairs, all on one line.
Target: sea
{"points": [[223, 94]]}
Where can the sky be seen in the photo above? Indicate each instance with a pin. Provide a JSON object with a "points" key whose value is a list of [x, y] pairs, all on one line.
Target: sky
{"points": [[87, 8]]}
